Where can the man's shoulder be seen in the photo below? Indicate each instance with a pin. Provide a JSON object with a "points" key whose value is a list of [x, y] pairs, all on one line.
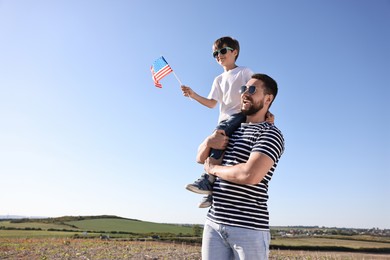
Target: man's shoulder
{"points": [[267, 127], [271, 133], [274, 128]]}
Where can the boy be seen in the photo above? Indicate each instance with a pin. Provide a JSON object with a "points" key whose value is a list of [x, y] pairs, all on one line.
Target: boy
{"points": [[225, 90]]}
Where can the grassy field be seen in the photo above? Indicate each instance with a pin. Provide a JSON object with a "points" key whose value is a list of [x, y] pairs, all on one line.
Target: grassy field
{"points": [[103, 224], [329, 244], [33, 225], [4, 234], [56, 248], [130, 226], [78, 238]]}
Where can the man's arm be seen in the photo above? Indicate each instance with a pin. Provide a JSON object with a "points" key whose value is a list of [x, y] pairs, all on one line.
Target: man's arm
{"points": [[218, 140], [251, 172]]}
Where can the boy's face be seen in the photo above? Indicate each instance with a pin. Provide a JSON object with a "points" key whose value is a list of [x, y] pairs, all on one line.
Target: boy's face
{"points": [[225, 56]]}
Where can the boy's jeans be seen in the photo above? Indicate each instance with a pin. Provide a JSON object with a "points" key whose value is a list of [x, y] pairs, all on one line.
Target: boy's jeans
{"points": [[229, 126], [229, 242]]}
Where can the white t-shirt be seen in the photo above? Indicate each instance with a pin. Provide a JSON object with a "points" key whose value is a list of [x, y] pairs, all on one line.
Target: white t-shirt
{"points": [[226, 90]]}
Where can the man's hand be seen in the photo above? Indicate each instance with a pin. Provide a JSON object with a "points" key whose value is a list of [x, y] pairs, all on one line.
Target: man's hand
{"points": [[210, 163], [218, 140]]}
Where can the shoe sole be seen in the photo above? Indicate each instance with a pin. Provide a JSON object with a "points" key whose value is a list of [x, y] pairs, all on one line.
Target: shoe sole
{"points": [[202, 205], [196, 190]]}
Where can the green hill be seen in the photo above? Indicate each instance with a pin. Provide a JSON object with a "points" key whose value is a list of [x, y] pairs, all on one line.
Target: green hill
{"points": [[129, 225], [104, 223]]}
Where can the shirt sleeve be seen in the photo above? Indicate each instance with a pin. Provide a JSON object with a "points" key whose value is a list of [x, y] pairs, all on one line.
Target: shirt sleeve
{"points": [[247, 72], [271, 143], [215, 92]]}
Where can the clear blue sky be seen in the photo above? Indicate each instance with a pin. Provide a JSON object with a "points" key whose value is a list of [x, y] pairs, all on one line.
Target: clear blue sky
{"points": [[84, 131]]}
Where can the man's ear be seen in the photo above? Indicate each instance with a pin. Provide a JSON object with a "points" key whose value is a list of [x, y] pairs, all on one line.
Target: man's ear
{"points": [[269, 98]]}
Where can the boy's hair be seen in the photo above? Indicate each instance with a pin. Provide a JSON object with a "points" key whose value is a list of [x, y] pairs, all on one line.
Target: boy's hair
{"points": [[270, 85], [229, 42]]}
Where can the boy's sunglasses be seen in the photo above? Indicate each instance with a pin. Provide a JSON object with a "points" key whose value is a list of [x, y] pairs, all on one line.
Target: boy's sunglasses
{"points": [[251, 90], [222, 51]]}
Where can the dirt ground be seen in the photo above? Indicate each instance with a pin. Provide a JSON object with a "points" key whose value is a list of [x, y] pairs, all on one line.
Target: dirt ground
{"points": [[43, 249]]}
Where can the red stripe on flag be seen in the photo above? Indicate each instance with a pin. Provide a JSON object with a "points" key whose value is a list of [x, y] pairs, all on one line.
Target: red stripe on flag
{"points": [[160, 68], [163, 72], [156, 83]]}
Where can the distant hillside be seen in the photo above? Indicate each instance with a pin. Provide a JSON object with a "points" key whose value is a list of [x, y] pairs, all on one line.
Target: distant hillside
{"points": [[17, 217], [58, 219], [102, 223]]}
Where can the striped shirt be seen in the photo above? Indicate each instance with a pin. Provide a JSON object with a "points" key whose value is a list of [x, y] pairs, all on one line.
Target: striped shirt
{"points": [[246, 205]]}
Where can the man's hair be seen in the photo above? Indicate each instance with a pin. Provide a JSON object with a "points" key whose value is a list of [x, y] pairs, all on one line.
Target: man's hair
{"points": [[229, 42], [270, 85]]}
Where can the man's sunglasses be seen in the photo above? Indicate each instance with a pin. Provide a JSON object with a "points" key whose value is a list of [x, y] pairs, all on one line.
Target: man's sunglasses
{"points": [[221, 51], [251, 90]]}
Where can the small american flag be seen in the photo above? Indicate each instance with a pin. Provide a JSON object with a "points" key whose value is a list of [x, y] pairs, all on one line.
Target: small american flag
{"points": [[160, 69]]}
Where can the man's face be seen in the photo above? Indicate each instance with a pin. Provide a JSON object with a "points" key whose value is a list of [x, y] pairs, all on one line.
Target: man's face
{"points": [[252, 103]]}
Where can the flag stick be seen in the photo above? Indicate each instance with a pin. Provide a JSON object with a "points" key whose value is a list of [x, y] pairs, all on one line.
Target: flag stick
{"points": [[179, 81], [176, 77]]}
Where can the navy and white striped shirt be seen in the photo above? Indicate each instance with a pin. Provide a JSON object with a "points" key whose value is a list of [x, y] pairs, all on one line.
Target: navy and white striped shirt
{"points": [[246, 205]]}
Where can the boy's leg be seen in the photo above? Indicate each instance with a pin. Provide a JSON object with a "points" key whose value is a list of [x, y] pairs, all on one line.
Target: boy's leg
{"points": [[206, 201], [232, 123], [229, 126], [204, 184]]}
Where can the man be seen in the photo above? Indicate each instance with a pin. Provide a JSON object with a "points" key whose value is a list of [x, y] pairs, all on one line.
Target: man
{"points": [[237, 224]]}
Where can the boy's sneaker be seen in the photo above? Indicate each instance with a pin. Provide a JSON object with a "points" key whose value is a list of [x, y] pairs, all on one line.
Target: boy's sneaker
{"points": [[206, 201], [201, 186]]}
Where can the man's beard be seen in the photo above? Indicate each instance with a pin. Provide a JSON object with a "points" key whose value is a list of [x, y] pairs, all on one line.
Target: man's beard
{"points": [[253, 109]]}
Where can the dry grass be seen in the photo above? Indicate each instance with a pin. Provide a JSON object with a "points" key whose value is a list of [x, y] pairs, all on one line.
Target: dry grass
{"points": [[93, 249], [57, 248], [306, 255]]}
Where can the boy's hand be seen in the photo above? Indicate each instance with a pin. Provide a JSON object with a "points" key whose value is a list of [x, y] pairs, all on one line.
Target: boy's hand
{"points": [[187, 91], [270, 118], [218, 140]]}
